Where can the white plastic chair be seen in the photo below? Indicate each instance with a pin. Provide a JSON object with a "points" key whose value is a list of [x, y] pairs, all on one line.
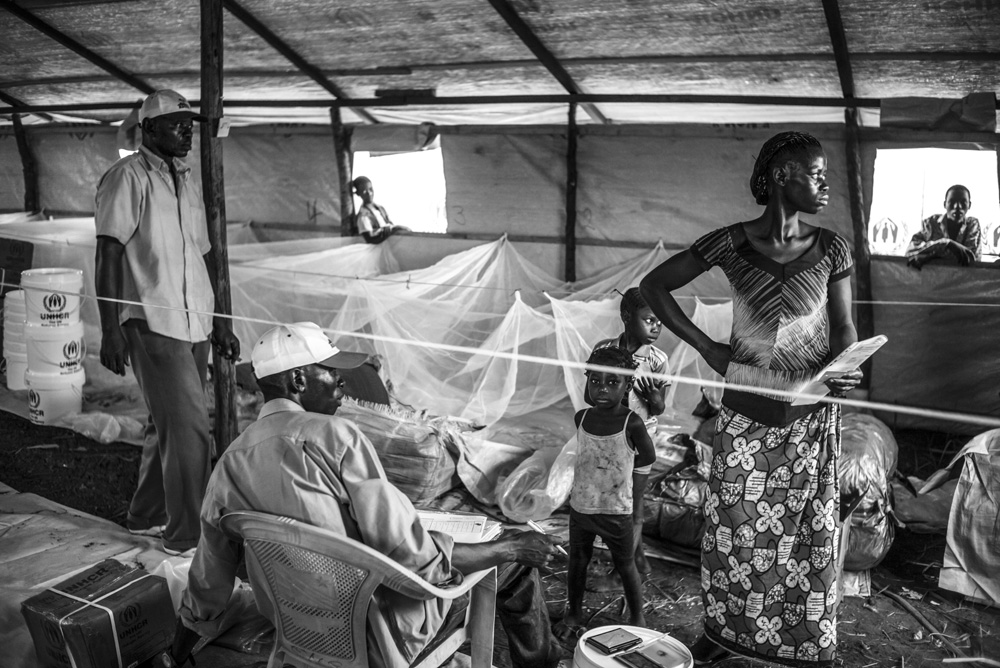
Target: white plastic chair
{"points": [[316, 586]]}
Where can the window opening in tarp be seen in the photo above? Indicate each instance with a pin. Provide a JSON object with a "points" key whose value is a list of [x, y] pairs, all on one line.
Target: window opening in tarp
{"points": [[410, 185], [910, 185]]}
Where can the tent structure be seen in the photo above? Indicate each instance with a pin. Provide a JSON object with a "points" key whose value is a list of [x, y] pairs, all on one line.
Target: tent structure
{"points": [[587, 133]]}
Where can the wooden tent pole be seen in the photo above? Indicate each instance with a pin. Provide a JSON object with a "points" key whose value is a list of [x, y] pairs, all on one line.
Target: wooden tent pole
{"points": [[862, 253], [345, 169], [214, 190], [28, 166], [571, 176]]}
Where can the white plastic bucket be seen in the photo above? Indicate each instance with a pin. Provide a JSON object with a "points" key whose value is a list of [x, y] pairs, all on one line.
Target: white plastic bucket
{"points": [[12, 346], [14, 301], [52, 396], [55, 350], [15, 364], [52, 295], [676, 654]]}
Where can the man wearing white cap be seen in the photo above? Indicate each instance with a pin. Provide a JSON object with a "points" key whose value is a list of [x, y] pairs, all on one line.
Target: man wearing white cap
{"points": [[153, 250], [299, 460]]}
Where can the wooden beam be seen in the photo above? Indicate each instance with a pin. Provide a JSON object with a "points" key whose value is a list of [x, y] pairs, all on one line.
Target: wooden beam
{"points": [[545, 57], [16, 102], [835, 102], [214, 191], [838, 38], [862, 252], [342, 153], [394, 70], [571, 182], [279, 45], [76, 47], [28, 167]]}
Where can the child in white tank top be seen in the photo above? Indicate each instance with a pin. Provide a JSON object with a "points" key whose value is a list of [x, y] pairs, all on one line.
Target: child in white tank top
{"points": [[613, 459]]}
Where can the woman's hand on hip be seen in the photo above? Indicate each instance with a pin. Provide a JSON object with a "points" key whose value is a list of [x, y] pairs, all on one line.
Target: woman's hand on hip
{"points": [[718, 356]]}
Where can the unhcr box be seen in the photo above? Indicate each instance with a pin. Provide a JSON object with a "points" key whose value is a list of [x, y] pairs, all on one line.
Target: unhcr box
{"points": [[108, 615]]}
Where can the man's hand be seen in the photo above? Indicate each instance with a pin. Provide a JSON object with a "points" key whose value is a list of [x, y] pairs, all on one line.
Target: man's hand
{"points": [[963, 253], [114, 350], [533, 549], [225, 342]]}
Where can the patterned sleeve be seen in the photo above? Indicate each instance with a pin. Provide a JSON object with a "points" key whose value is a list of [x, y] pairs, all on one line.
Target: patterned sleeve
{"points": [[973, 238], [710, 249], [842, 262]]}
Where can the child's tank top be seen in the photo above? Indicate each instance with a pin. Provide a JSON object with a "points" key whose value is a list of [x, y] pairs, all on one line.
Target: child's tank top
{"points": [[602, 480]]}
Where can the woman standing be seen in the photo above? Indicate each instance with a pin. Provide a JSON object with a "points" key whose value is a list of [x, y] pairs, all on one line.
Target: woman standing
{"points": [[770, 551]]}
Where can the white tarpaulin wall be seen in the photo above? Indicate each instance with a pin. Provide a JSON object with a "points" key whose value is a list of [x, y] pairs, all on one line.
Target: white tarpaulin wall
{"points": [[635, 184]]}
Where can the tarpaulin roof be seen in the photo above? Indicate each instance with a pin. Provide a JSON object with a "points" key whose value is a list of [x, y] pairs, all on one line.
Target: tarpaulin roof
{"points": [[501, 61]]}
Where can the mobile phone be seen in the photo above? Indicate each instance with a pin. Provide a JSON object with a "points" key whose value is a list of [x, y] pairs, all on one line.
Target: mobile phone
{"points": [[657, 654], [614, 640]]}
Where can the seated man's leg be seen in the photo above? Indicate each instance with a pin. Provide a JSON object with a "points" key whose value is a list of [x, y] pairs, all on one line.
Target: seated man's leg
{"points": [[524, 617]]}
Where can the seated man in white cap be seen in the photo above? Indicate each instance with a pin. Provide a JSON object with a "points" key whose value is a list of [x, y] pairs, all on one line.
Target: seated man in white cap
{"points": [[278, 466]]}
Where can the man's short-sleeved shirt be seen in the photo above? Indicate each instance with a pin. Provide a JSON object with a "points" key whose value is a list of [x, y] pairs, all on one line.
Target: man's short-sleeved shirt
{"points": [[318, 469], [780, 324], [932, 240], [165, 234]]}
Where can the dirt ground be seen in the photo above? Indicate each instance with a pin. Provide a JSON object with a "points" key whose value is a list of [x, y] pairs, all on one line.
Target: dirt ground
{"points": [[878, 631]]}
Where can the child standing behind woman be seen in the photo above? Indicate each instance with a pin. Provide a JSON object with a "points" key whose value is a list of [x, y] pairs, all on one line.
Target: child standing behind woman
{"points": [[647, 396], [612, 463]]}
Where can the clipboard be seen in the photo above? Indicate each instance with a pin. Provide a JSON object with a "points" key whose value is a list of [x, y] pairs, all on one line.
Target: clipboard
{"points": [[853, 356]]}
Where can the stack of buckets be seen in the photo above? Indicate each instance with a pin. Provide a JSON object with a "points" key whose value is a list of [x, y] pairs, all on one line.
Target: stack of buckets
{"points": [[15, 352], [54, 342]]}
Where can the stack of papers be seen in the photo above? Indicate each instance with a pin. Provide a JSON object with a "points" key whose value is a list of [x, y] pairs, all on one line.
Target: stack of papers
{"points": [[462, 527], [849, 360]]}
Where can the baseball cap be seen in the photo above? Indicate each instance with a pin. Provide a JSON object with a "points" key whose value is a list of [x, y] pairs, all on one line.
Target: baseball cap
{"points": [[300, 344], [167, 102]]}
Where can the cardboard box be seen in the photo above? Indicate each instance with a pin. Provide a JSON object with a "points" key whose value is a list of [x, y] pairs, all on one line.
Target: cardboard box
{"points": [[108, 615]]}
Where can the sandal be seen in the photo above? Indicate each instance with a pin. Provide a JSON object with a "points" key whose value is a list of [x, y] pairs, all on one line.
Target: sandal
{"points": [[706, 652]]}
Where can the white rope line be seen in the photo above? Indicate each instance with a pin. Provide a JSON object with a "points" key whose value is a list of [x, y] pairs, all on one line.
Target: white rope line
{"points": [[949, 416]]}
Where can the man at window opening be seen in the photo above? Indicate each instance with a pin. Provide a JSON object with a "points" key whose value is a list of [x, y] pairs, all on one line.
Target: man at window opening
{"points": [[373, 220], [952, 232]]}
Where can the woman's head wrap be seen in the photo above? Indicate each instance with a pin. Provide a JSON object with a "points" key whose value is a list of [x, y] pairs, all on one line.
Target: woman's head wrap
{"points": [[782, 143]]}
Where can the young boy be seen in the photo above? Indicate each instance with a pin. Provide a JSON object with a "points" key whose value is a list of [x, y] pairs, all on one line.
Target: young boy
{"points": [[647, 397], [612, 463], [372, 219], [952, 232], [642, 329]]}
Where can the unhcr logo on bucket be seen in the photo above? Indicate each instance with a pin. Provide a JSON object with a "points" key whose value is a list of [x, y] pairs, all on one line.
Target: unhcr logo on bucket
{"points": [[55, 312], [54, 302], [33, 399], [72, 352]]}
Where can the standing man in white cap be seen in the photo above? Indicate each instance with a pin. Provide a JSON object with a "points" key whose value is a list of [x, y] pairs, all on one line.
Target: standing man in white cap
{"points": [[153, 250], [299, 460]]}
